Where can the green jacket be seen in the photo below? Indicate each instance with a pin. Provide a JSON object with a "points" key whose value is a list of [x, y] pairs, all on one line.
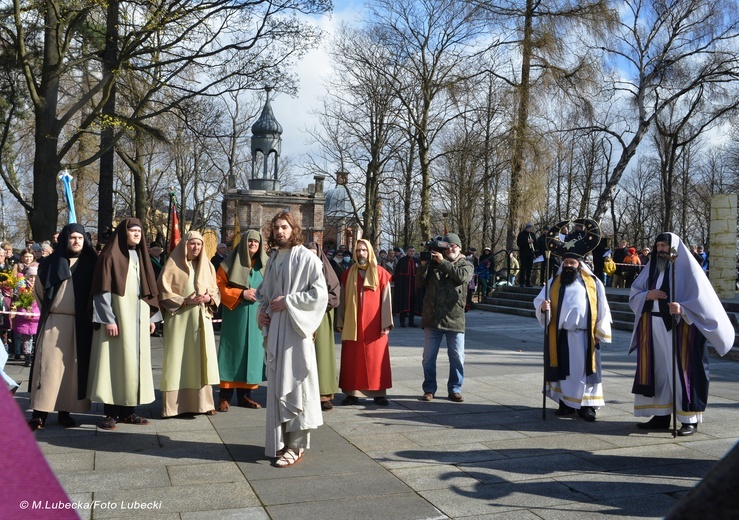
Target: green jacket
{"points": [[446, 293]]}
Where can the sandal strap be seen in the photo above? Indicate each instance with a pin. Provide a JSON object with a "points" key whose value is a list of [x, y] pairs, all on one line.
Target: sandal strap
{"points": [[289, 457]]}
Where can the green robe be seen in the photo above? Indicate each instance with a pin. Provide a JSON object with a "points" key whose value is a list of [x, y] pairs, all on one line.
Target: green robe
{"points": [[240, 351], [328, 381]]}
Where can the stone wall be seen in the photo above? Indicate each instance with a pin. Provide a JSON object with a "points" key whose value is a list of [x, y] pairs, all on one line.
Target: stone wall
{"points": [[722, 259]]}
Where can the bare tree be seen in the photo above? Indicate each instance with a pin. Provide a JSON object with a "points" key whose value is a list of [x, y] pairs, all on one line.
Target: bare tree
{"points": [[169, 42], [432, 40], [664, 53], [542, 42]]}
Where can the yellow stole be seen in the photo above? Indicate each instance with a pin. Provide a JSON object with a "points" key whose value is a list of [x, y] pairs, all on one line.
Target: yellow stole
{"points": [[351, 295], [554, 295]]}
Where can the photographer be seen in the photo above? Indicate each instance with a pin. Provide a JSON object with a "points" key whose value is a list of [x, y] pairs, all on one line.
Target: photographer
{"points": [[445, 277]]}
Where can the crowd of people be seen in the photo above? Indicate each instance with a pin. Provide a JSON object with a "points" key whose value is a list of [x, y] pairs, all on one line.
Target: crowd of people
{"points": [[280, 303]]}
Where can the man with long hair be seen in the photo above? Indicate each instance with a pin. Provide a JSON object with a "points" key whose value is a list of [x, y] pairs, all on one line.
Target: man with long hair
{"points": [[292, 301], [62, 356]]}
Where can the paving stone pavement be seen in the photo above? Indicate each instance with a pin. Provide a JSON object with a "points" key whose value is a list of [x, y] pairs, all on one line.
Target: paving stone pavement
{"points": [[490, 457]]}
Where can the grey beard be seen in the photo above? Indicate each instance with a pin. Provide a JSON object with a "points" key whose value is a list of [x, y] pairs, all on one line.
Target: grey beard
{"points": [[662, 263], [362, 262]]}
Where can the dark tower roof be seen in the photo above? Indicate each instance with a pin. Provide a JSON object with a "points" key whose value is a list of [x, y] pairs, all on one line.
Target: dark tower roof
{"points": [[266, 125]]}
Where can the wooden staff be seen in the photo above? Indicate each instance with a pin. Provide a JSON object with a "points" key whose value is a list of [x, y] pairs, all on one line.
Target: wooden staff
{"points": [[546, 335], [673, 257]]}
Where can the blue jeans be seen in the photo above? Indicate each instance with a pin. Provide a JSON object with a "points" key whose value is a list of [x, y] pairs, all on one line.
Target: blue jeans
{"points": [[455, 351]]}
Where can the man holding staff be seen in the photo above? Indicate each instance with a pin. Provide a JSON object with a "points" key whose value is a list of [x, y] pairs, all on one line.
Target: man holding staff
{"points": [[580, 320], [690, 310]]}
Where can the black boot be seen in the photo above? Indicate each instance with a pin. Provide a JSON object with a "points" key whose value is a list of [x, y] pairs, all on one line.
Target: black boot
{"points": [[658, 422]]}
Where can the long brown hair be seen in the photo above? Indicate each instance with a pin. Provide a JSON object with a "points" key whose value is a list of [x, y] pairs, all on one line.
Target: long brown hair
{"points": [[297, 233]]}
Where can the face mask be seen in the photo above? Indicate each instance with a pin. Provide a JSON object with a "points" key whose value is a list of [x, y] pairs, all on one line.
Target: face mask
{"points": [[347, 259]]}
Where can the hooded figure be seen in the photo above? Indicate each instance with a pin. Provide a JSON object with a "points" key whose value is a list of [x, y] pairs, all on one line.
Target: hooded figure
{"points": [[698, 316], [365, 318], [240, 352], [189, 295], [59, 375], [124, 300]]}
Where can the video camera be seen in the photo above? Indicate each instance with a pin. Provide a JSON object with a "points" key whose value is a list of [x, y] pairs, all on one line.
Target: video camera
{"points": [[435, 244]]}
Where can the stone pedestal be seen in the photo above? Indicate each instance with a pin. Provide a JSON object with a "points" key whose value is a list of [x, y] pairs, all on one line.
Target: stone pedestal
{"points": [[254, 209], [722, 258]]}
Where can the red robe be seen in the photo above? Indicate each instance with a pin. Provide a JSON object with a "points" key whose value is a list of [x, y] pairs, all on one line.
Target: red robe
{"points": [[365, 363]]}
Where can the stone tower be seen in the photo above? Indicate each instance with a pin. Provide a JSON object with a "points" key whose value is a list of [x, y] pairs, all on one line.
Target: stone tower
{"points": [[266, 146], [253, 208]]}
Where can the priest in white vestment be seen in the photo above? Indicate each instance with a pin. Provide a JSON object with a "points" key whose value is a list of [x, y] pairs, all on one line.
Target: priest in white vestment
{"points": [[692, 310], [579, 322]]}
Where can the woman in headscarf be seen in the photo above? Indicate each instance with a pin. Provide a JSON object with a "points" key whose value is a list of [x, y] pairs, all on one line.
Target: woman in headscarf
{"points": [[324, 338], [365, 318], [124, 294], [240, 351], [188, 295]]}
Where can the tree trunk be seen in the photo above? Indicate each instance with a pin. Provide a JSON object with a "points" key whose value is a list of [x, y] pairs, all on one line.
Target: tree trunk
{"points": [[423, 160], [110, 58], [45, 213], [515, 190]]}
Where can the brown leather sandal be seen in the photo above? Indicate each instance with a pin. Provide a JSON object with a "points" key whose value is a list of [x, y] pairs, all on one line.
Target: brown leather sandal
{"points": [[36, 423], [248, 402], [134, 419], [222, 405]]}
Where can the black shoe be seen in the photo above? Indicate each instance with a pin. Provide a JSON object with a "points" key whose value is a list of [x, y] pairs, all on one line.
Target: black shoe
{"points": [[381, 401], [349, 400], [402, 325], [66, 420], [564, 409], [412, 325], [658, 422], [587, 413], [687, 429]]}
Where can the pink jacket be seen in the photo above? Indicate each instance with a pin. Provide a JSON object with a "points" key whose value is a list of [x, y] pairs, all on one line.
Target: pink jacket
{"points": [[27, 324]]}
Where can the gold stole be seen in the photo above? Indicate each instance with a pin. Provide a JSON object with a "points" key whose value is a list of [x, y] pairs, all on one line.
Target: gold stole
{"points": [[592, 293]]}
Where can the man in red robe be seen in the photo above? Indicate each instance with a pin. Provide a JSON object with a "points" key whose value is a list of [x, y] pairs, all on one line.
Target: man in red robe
{"points": [[364, 318]]}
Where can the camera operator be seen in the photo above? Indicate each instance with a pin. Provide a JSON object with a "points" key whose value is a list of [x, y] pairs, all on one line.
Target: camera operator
{"points": [[445, 277]]}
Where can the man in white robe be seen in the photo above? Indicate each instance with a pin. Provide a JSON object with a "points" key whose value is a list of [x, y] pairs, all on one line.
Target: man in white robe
{"points": [[698, 316], [292, 300], [580, 321]]}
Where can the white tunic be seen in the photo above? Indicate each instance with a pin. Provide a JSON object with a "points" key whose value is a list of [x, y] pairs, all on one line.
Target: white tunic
{"points": [[293, 396], [575, 391]]}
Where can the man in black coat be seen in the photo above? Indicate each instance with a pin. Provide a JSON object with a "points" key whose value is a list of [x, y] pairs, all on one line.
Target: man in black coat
{"points": [[526, 242], [404, 287]]}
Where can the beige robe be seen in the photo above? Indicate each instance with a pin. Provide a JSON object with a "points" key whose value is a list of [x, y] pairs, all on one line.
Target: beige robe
{"points": [[54, 385], [190, 363], [120, 366]]}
